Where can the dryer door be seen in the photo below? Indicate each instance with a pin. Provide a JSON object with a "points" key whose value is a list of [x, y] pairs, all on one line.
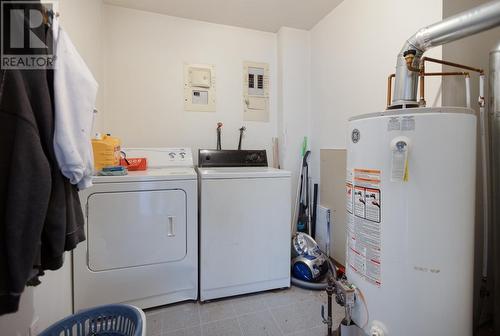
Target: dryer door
{"points": [[134, 228]]}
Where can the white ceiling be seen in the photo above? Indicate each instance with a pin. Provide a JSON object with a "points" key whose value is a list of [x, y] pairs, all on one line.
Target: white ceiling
{"points": [[266, 15]]}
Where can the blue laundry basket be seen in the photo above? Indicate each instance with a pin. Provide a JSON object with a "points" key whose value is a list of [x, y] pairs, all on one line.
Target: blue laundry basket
{"points": [[109, 320]]}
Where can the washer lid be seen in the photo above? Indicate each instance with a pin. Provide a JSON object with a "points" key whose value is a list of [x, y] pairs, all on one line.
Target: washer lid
{"points": [[241, 172], [163, 174]]}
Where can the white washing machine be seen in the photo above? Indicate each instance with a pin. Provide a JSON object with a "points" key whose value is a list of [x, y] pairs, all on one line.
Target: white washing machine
{"points": [[244, 224], [142, 234]]}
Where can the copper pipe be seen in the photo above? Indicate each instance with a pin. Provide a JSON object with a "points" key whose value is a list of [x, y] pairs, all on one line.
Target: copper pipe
{"points": [[424, 74], [389, 88], [456, 65], [465, 74], [422, 102], [421, 70]]}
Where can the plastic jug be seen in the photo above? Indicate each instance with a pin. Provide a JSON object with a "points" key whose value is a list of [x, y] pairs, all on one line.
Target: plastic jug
{"points": [[106, 151]]}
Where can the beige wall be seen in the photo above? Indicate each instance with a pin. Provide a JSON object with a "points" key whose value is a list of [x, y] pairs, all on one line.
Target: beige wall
{"points": [[353, 50], [473, 51], [83, 21], [42, 305], [143, 78], [293, 98]]}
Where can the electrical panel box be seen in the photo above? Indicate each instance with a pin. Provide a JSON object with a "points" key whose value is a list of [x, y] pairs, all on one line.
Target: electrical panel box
{"points": [[256, 91], [199, 87]]}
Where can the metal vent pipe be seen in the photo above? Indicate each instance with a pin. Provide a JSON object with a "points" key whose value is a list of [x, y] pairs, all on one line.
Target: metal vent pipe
{"points": [[467, 23], [494, 111]]}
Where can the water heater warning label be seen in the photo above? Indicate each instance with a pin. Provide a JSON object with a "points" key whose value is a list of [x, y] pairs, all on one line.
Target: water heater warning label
{"points": [[364, 229], [372, 201], [405, 123], [359, 201]]}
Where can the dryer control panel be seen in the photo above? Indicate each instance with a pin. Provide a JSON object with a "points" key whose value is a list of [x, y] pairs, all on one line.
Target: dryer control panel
{"points": [[163, 157]]}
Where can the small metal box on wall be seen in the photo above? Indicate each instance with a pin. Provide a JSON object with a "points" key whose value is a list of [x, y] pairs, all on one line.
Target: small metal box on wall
{"points": [[256, 91], [199, 87]]}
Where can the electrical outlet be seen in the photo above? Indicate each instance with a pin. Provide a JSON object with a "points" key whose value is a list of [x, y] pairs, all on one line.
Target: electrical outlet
{"points": [[35, 326]]}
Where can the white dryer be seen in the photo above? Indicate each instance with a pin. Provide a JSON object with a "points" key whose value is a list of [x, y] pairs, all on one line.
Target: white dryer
{"points": [[142, 234]]}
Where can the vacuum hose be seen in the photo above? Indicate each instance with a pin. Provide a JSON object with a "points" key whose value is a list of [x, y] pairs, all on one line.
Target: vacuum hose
{"points": [[316, 285]]}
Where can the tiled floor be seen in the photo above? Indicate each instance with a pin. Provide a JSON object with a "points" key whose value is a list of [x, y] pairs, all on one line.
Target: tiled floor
{"points": [[293, 311]]}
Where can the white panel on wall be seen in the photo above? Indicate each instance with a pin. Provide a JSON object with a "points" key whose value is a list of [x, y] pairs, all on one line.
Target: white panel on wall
{"points": [[323, 229], [199, 87], [256, 91], [332, 195]]}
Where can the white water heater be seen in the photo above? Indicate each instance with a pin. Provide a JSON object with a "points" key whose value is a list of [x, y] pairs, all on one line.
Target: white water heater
{"points": [[410, 193]]}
